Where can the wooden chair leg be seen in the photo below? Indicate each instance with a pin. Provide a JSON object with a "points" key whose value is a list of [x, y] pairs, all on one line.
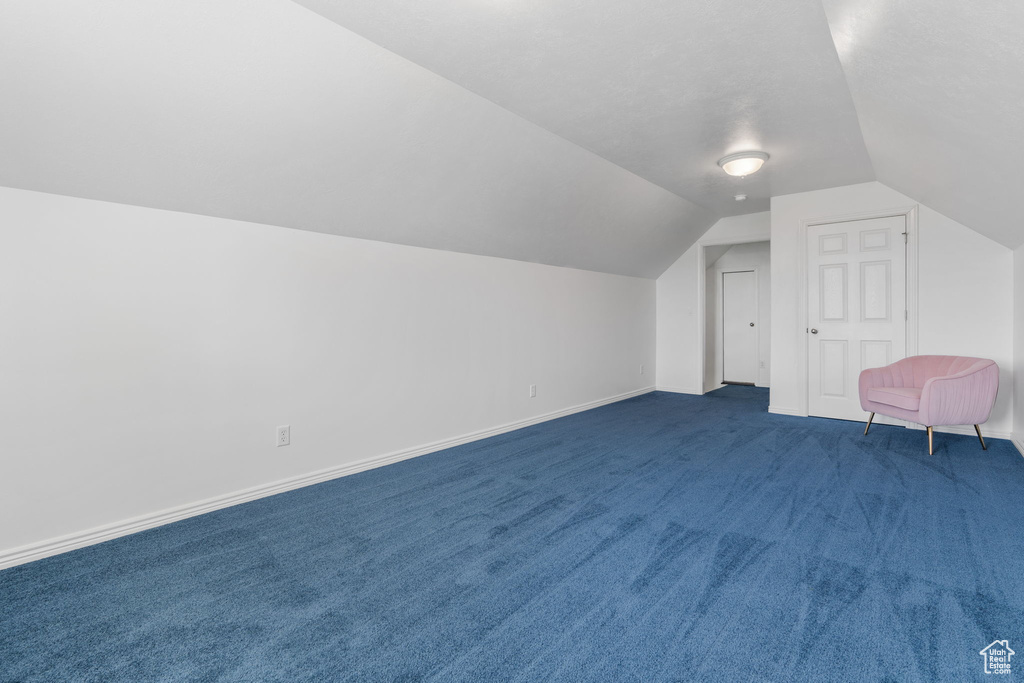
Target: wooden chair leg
{"points": [[869, 424], [982, 440], [931, 450]]}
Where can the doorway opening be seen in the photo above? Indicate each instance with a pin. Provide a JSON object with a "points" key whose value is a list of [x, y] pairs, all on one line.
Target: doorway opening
{"points": [[737, 314]]}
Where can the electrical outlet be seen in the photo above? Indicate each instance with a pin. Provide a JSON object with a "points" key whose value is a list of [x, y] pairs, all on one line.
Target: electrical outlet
{"points": [[284, 435], [533, 391], [641, 368], [762, 365]]}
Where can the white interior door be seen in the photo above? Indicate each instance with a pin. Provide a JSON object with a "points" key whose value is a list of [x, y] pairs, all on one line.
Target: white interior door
{"points": [[739, 326], [857, 308]]}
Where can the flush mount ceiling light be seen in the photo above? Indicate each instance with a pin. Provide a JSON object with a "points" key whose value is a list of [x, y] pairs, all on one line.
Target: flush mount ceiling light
{"points": [[742, 163]]}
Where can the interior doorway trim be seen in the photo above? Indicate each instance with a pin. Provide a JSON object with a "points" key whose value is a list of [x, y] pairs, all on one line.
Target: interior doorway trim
{"points": [[701, 363], [910, 215]]}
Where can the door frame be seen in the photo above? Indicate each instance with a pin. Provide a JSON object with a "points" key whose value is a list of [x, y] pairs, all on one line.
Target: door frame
{"points": [[702, 317], [720, 305], [910, 215]]}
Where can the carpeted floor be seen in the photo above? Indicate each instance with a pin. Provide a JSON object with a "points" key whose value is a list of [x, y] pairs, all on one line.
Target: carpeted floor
{"points": [[667, 537]]}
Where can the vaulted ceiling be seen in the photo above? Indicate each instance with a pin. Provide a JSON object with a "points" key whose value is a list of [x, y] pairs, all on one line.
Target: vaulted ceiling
{"points": [[938, 86], [663, 88], [573, 133]]}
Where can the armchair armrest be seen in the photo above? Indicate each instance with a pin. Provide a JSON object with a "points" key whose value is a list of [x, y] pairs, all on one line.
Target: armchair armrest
{"points": [[963, 398], [891, 375], [870, 378]]}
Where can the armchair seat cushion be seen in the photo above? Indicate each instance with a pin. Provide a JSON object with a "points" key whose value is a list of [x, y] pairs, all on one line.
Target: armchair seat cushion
{"points": [[907, 398]]}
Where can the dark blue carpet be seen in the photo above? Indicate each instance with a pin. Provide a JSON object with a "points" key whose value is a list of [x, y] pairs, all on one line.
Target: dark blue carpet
{"points": [[662, 538]]}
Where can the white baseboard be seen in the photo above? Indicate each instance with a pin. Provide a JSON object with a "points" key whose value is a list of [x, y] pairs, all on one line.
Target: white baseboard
{"points": [[1018, 441], [107, 532], [680, 390], [785, 411]]}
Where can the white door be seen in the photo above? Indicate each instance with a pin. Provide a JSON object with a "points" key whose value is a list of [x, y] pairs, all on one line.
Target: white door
{"points": [[857, 308], [739, 327]]}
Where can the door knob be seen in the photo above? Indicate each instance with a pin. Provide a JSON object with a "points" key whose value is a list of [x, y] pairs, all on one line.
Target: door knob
{"points": [[814, 330], [751, 324]]}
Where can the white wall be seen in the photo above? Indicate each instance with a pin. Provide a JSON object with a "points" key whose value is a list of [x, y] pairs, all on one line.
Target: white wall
{"points": [[679, 305], [965, 289], [754, 255], [147, 356], [1018, 348]]}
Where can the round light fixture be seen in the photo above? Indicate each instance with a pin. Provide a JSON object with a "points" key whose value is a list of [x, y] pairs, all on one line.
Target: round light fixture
{"points": [[742, 163], [741, 197]]}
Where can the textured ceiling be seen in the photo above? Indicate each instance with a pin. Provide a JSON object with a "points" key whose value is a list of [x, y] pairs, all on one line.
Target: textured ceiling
{"points": [[939, 86], [556, 131], [261, 110], [663, 88]]}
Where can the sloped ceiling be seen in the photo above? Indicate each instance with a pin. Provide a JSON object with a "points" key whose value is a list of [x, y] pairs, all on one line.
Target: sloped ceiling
{"points": [[262, 111], [555, 131], [939, 88], [663, 88]]}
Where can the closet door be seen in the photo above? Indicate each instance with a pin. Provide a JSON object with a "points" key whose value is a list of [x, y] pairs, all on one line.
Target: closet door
{"points": [[856, 295], [739, 327]]}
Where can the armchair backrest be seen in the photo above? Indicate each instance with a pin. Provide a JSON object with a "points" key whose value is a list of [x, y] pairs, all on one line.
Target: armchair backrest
{"points": [[916, 370]]}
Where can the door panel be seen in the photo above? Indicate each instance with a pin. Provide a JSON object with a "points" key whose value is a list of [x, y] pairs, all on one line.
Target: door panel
{"points": [[832, 244], [875, 291], [835, 359], [834, 287], [739, 332], [875, 354], [856, 304], [875, 240]]}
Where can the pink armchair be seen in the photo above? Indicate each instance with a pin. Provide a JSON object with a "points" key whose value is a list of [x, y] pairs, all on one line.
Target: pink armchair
{"points": [[933, 391]]}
